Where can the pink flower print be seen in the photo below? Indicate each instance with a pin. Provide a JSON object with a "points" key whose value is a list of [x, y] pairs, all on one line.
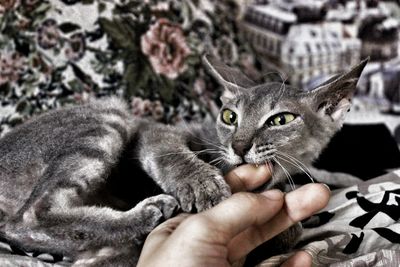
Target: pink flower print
{"points": [[166, 48]]}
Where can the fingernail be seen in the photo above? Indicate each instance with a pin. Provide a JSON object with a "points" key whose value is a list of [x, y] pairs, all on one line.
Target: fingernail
{"points": [[274, 194]]}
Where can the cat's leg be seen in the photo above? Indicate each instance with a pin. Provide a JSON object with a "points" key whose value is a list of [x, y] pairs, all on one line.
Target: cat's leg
{"points": [[123, 256], [55, 224], [55, 218], [165, 155]]}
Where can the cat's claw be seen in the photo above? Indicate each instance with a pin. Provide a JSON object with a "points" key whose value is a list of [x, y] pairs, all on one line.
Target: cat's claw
{"points": [[202, 194]]}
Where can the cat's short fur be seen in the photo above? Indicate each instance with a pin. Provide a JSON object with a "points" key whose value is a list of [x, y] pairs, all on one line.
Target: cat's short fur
{"points": [[59, 171]]}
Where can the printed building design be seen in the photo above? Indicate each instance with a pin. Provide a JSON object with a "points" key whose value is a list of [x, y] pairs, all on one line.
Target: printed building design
{"points": [[309, 41], [379, 36]]}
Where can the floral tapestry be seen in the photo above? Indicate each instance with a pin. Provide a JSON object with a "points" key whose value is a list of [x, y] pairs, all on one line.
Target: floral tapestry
{"points": [[61, 52]]}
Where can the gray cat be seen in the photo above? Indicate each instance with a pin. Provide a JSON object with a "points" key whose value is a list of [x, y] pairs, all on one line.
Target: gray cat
{"points": [[59, 172]]}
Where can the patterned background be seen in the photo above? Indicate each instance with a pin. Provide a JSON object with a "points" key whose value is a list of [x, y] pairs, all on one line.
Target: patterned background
{"points": [[54, 53], [62, 52]]}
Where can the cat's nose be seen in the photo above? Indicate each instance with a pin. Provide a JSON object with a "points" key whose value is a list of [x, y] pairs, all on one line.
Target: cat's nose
{"points": [[241, 148]]}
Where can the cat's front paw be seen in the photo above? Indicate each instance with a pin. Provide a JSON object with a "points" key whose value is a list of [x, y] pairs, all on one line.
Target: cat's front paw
{"points": [[202, 192], [154, 210]]}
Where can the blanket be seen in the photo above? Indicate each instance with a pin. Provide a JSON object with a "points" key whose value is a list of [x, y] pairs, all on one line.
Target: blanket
{"points": [[359, 227]]}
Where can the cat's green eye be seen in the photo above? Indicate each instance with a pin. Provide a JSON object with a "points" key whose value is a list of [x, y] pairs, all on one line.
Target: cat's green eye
{"points": [[229, 117], [281, 119]]}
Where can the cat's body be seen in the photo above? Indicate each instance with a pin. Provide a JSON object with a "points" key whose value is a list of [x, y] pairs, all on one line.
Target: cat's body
{"points": [[54, 170], [59, 172]]}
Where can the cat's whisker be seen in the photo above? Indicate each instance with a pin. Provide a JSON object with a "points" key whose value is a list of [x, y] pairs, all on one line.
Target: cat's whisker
{"points": [[217, 160], [209, 143], [215, 146], [220, 158], [289, 177], [271, 170], [193, 158], [299, 164], [202, 140], [211, 151], [291, 162], [295, 159]]}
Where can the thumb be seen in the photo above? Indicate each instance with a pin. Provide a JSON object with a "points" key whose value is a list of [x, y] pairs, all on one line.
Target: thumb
{"points": [[160, 234]]}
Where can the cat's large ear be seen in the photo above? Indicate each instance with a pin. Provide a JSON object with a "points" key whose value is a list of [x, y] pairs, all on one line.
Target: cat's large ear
{"points": [[333, 97], [230, 78]]}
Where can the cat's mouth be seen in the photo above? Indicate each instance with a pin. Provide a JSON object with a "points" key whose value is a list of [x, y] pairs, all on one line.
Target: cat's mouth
{"points": [[269, 163]]}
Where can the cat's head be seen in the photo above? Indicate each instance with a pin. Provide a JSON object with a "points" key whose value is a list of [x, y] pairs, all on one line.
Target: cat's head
{"points": [[278, 123]]}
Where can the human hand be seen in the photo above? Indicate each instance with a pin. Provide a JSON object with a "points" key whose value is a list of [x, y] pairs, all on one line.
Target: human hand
{"points": [[227, 232]]}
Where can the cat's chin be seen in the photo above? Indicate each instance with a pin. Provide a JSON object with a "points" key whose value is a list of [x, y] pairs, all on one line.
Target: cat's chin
{"points": [[267, 162]]}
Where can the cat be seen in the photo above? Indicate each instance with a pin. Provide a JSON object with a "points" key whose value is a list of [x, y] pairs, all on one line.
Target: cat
{"points": [[60, 171]]}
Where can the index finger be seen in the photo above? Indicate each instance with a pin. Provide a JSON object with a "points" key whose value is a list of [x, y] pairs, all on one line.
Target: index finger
{"points": [[299, 204], [247, 177]]}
